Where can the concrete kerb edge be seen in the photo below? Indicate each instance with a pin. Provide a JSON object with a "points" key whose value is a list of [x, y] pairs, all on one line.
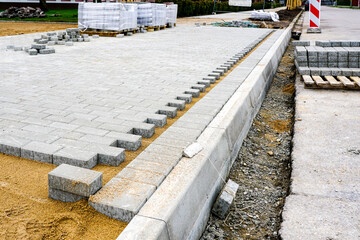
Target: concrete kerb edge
{"points": [[192, 226]]}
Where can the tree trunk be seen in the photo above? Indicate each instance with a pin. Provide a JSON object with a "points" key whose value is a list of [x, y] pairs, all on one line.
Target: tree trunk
{"points": [[43, 5]]}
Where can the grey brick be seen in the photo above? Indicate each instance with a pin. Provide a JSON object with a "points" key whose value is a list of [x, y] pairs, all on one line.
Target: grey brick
{"points": [[33, 52], [91, 130], [214, 74], [109, 141], [141, 176], [315, 71], [356, 71], [64, 126], [221, 71], [159, 120], [116, 127], [128, 141], [343, 64], [323, 64], [121, 199], [38, 128], [63, 196], [75, 157], [353, 64], [355, 44], [225, 199], [301, 51], [335, 43], [38, 46], [107, 155], [345, 43], [332, 64], [194, 92], [179, 104], [12, 145], [205, 82], [171, 112], [186, 97], [145, 130], [211, 79], [302, 58], [314, 64], [353, 59], [39, 151], [75, 180], [343, 59], [346, 72], [323, 43], [301, 43], [336, 72], [201, 87], [325, 72], [154, 157], [150, 166]]}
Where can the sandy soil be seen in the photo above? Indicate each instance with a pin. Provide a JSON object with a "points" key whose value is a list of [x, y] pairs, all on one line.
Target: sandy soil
{"points": [[26, 212], [16, 28]]}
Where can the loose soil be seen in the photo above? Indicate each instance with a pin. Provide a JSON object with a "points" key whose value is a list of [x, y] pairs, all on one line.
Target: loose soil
{"points": [[263, 166], [17, 28]]}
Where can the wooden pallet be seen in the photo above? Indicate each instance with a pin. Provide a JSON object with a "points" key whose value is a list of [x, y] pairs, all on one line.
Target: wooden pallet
{"points": [[106, 33], [330, 82]]}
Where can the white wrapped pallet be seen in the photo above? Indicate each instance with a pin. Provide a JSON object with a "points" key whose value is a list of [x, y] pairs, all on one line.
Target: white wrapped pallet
{"points": [[159, 14], [145, 14], [171, 13], [107, 16]]}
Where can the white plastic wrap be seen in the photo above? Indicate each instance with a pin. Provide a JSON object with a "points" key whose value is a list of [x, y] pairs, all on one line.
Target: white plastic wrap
{"points": [[159, 14], [171, 13], [107, 16], [145, 14], [261, 15]]}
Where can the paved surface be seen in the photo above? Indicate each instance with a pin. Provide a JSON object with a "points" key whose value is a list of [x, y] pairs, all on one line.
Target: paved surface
{"points": [[325, 193], [93, 92]]}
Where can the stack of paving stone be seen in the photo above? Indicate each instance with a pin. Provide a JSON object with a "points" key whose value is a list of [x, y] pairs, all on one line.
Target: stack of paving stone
{"points": [[70, 184], [39, 49], [328, 58], [63, 37]]}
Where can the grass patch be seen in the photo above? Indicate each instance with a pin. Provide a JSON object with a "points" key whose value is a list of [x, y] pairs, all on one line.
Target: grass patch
{"points": [[67, 15]]}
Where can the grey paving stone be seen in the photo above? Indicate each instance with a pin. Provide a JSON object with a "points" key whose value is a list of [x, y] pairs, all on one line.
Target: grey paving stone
{"points": [[215, 74], [75, 180], [171, 112], [141, 176], [127, 141], [225, 199], [159, 120], [145, 130], [205, 82], [107, 155], [38, 46], [301, 43], [103, 140], [12, 145], [140, 164], [194, 92], [336, 72], [64, 196], [154, 157], [121, 199], [39, 151], [186, 97], [75, 157], [200, 87], [179, 104]]}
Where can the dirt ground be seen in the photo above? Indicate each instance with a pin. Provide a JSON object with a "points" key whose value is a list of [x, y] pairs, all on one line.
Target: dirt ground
{"points": [[285, 18], [17, 28], [263, 166]]}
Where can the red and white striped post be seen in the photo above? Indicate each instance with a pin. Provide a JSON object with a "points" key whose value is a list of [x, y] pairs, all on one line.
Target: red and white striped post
{"points": [[314, 16]]}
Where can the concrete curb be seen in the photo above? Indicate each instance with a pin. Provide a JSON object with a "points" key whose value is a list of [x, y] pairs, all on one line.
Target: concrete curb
{"points": [[180, 207]]}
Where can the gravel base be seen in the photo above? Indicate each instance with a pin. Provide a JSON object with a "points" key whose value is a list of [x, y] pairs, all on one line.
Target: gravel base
{"points": [[263, 166]]}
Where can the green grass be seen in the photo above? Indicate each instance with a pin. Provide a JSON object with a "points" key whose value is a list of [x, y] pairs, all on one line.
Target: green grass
{"points": [[67, 15], [345, 7]]}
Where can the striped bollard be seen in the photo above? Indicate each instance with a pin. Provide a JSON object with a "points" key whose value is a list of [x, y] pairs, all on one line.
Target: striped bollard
{"points": [[314, 16]]}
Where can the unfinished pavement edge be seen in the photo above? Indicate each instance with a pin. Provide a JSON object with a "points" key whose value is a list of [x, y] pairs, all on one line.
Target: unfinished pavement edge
{"points": [[174, 210]]}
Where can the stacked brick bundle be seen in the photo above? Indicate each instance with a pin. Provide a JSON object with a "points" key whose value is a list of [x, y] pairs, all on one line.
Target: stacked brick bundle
{"points": [[328, 58]]}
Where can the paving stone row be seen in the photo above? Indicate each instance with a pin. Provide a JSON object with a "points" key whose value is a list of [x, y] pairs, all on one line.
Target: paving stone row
{"points": [[87, 104], [146, 172]]}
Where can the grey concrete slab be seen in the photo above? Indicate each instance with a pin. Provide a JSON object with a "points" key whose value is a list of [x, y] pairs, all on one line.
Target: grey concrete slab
{"points": [[75, 180]]}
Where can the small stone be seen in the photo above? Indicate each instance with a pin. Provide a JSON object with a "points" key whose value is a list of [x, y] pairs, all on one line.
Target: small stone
{"points": [[270, 153]]}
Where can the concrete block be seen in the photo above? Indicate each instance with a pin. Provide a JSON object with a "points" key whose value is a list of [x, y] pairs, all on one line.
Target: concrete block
{"points": [[61, 42], [159, 120], [345, 43], [355, 44], [193, 92], [353, 64], [323, 43], [323, 56], [353, 59], [221, 71], [145, 228], [107, 155], [335, 43], [43, 41], [12, 145], [216, 75], [87, 39], [18, 48], [33, 52], [10, 47], [225, 199], [46, 51], [211, 79], [140, 164], [313, 59], [129, 34], [186, 97], [51, 43], [39, 151], [302, 58], [314, 64], [332, 64], [127, 141], [336, 72], [103, 140], [192, 150], [141, 176], [179, 104], [75, 157], [171, 112], [315, 71], [301, 43], [205, 82], [343, 59], [325, 71], [301, 51], [38, 46], [80, 40], [121, 199], [343, 64], [346, 72], [145, 130], [95, 36], [64, 196], [228, 66], [201, 87], [120, 35], [69, 44], [356, 71], [75, 180], [323, 64], [154, 157]]}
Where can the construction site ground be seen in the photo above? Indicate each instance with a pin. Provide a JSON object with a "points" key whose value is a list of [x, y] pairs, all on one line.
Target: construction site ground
{"points": [[180, 55]]}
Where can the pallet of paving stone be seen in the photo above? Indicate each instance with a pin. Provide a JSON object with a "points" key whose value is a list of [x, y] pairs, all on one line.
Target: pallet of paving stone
{"points": [[331, 82]]}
